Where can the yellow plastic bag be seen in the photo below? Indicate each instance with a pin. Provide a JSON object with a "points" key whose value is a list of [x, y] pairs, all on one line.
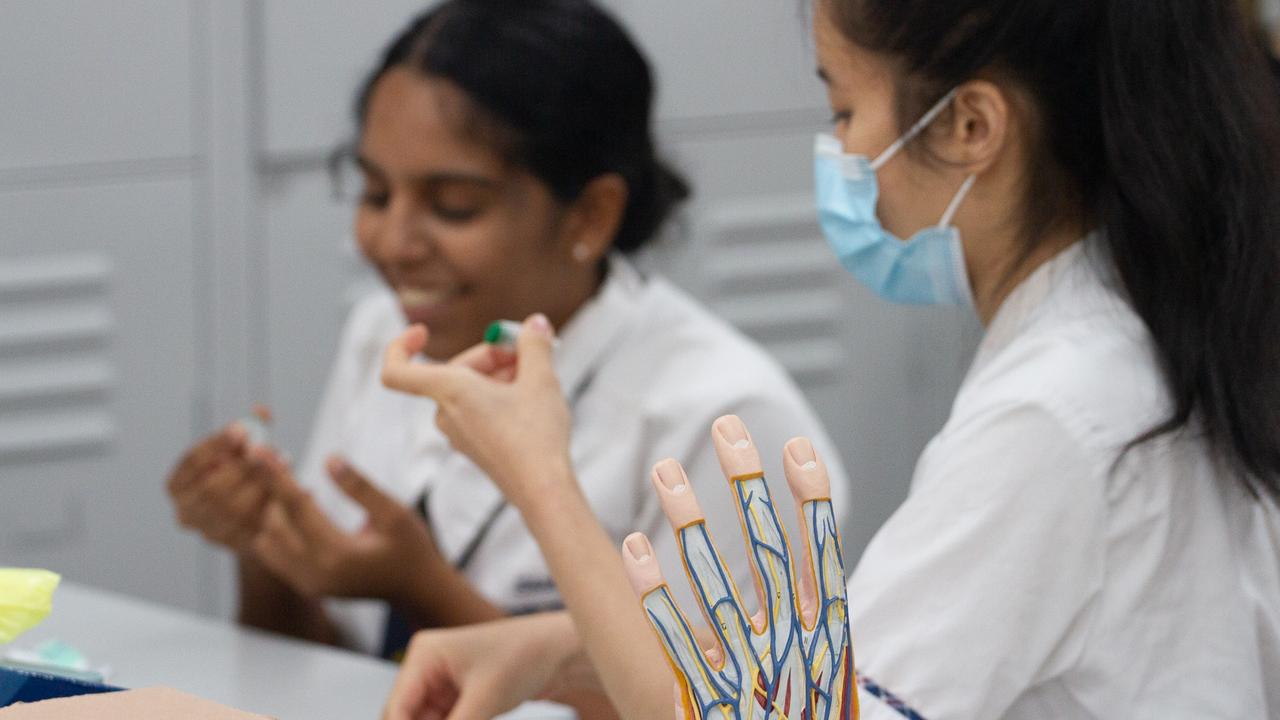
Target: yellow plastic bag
{"points": [[26, 597]]}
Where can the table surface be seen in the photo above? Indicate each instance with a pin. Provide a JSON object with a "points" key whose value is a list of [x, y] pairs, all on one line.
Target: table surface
{"points": [[145, 644]]}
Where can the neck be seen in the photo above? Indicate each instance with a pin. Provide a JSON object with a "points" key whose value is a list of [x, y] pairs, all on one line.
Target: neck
{"points": [[583, 288], [995, 274]]}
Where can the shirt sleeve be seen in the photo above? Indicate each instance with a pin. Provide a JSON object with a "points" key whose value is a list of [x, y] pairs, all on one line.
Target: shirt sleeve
{"points": [[980, 585]]}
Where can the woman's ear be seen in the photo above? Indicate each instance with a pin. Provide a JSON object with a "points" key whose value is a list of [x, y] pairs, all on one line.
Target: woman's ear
{"points": [[593, 219], [978, 129]]}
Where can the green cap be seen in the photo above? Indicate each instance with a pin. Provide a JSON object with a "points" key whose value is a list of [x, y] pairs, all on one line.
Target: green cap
{"points": [[493, 333]]}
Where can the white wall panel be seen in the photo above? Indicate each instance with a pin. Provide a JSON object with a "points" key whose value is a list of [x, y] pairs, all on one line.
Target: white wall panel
{"points": [[718, 58], [90, 82], [758, 62], [97, 372], [313, 275], [316, 52]]}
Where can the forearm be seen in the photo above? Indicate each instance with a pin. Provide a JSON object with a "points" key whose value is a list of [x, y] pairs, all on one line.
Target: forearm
{"points": [[441, 596], [267, 603], [588, 571]]}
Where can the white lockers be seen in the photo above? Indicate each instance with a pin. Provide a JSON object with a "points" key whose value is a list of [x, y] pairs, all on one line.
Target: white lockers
{"points": [[170, 252]]}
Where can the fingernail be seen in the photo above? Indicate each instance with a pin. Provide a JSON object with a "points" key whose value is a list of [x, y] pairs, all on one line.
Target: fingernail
{"points": [[260, 454], [801, 452], [733, 431], [335, 465], [236, 432], [671, 475], [541, 324], [638, 547]]}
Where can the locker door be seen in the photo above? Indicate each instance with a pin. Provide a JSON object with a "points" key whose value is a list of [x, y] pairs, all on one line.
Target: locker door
{"points": [[98, 368]]}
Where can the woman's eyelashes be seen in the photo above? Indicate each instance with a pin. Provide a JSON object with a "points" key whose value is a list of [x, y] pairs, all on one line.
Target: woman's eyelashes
{"points": [[373, 192], [448, 205], [377, 199], [455, 214], [840, 117]]}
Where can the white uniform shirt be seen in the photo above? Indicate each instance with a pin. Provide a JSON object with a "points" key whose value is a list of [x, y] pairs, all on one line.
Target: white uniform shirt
{"points": [[1027, 577], [646, 371]]}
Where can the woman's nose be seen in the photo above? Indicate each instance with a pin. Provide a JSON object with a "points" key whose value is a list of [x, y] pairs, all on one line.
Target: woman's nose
{"points": [[404, 234]]}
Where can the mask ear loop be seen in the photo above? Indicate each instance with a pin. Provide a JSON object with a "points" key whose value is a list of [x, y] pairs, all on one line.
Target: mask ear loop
{"points": [[954, 207], [915, 130]]}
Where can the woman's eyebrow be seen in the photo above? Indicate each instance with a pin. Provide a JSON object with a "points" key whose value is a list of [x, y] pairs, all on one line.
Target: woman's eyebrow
{"points": [[432, 178]]}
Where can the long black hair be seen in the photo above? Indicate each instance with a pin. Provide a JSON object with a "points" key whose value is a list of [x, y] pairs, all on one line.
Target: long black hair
{"points": [[557, 87], [1159, 124]]}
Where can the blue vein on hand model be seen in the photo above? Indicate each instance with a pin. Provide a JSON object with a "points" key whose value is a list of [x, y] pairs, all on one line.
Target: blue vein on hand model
{"points": [[785, 671]]}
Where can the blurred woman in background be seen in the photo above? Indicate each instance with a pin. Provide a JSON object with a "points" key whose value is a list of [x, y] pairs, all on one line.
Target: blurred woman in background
{"points": [[507, 167]]}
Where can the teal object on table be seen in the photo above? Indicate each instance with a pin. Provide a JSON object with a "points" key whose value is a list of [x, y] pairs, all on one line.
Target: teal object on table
{"points": [[25, 686]]}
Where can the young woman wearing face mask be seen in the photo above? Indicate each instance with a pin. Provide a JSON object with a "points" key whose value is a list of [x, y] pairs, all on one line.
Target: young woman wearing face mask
{"points": [[508, 168], [1094, 533]]}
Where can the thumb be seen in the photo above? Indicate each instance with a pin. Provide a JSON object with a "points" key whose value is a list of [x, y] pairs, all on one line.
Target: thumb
{"points": [[376, 503], [401, 372], [534, 347], [479, 701]]}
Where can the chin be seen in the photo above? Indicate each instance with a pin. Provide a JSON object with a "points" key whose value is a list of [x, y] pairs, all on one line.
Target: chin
{"points": [[445, 343]]}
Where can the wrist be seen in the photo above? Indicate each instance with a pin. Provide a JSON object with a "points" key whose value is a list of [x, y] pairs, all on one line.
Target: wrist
{"points": [[544, 485], [426, 584]]}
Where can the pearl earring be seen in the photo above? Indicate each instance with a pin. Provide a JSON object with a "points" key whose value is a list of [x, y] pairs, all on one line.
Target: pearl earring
{"points": [[581, 252]]}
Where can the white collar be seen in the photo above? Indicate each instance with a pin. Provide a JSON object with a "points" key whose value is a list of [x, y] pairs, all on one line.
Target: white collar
{"points": [[597, 326], [1076, 277]]}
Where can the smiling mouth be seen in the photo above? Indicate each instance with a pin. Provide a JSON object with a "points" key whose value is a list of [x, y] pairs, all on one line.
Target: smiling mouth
{"points": [[419, 298]]}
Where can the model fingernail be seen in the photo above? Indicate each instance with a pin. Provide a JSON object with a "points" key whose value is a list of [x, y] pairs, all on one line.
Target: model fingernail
{"points": [[801, 452], [733, 431], [638, 547], [671, 475]]}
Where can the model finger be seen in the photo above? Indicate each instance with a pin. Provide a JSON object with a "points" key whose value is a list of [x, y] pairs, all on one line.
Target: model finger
{"points": [[702, 686], [807, 478], [766, 540], [718, 596]]}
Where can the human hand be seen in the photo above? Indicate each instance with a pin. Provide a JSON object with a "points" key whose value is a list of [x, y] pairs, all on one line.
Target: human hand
{"points": [[218, 490], [301, 545], [508, 415], [792, 659], [480, 671]]}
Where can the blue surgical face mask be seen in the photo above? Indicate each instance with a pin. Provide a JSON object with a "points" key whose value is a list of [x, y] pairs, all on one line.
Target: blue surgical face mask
{"points": [[927, 269]]}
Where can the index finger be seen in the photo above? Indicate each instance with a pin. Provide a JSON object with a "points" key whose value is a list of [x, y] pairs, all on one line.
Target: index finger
{"points": [[297, 503], [400, 372], [224, 444]]}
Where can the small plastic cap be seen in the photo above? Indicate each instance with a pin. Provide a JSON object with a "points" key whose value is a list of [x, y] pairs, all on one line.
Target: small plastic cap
{"points": [[493, 333]]}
